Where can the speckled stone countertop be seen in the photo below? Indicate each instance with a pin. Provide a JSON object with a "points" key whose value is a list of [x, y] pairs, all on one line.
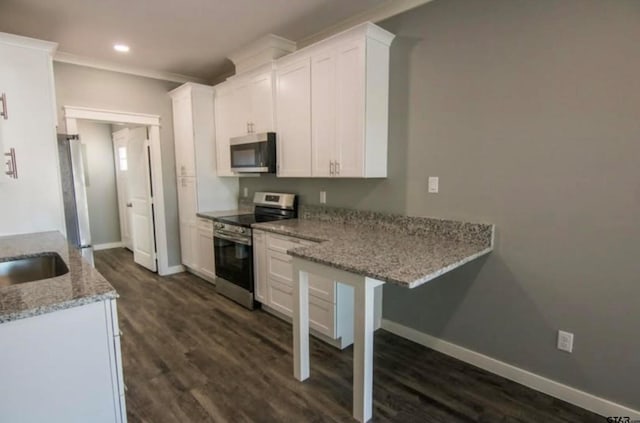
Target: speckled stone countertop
{"points": [[82, 285], [407, 251]]}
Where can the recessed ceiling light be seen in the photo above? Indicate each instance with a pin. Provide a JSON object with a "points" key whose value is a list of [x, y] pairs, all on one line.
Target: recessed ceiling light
{"points": [[122, 48]]}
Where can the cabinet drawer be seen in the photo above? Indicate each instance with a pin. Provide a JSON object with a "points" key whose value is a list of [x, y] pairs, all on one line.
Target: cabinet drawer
{"points": [[279, 268], [280, 297], [321, 287], [283, 243], [322, 316], [322, 313]]}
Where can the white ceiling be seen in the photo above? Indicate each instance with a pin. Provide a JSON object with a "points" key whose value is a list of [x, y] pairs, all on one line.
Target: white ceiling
{"points": [[187, 37]]}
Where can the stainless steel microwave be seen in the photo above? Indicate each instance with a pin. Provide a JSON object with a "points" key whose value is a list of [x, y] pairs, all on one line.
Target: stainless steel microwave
{"points": [[253, 153]]}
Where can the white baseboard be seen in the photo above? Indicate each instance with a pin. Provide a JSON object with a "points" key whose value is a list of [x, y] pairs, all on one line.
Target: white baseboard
{"points": [[108, 245], [172, 270], [550, 387]]}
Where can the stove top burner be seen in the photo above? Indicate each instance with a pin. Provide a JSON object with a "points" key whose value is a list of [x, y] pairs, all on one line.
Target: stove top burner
{"points": [[247, 220]]}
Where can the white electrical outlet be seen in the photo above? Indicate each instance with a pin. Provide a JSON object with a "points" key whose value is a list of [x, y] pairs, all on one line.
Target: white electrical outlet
{"points": [[434, 182], [323, 197], [565, 341], [246, 191]]}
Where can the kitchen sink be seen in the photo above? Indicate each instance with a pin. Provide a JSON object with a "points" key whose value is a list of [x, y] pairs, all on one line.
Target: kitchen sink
{"points": [[32, 268]]}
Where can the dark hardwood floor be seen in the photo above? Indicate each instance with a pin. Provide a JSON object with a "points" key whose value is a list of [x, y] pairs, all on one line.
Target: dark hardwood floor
{"points": [[193, 356]]}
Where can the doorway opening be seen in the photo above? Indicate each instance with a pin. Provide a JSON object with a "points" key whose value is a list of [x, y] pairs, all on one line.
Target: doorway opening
{"points": [[135, 164]]}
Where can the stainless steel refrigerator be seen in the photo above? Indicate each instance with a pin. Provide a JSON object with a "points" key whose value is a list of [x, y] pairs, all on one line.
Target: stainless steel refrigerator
{"points": [[74, 191]]}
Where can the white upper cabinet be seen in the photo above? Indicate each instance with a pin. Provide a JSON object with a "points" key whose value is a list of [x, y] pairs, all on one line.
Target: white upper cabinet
{"points": [[32, 201], [226, 125], [331, 106], [183, 134], [349, 92], [323, 119], [293, 105], [244, 105]]}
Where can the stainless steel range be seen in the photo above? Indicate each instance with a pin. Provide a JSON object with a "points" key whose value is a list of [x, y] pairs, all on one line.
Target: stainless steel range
{"points": [[233, 249]]}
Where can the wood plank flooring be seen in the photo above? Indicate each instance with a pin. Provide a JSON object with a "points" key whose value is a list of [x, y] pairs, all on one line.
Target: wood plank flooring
{"points": [[191, 355]]}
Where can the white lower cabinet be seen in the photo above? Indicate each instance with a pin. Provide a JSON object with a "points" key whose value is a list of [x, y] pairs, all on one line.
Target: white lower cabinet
{"points": [[206, 260], [330, 303], [63, 366]]}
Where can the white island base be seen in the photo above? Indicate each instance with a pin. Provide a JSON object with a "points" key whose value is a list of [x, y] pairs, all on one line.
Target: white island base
{"points": [[364, 327]]}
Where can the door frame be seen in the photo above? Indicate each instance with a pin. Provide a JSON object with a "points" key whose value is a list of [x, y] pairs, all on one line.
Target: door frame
{"points": [[72, 114]]}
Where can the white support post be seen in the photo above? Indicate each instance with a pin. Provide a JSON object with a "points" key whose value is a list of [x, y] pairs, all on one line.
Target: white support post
{"points": [[300, 322], [364, 327]]}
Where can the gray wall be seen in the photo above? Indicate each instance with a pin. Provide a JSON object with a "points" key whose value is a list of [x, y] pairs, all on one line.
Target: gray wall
{"points": [[528, 111], [102, 195], [87, 87]]}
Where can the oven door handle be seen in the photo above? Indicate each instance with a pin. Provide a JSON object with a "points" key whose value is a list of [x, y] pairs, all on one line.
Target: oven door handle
{"points": [[243, 241]]}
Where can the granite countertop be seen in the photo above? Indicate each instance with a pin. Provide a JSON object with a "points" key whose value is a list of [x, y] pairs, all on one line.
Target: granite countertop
{"points": [[81, 285], [397, 249]]}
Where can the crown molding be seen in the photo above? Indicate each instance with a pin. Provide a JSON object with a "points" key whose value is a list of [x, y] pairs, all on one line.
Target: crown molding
{"points": [[384, 11], [74, 59], [19, 40]]}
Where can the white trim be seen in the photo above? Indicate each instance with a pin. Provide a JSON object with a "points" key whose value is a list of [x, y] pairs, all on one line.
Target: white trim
{"points": [[74, 59], [18, 40], [108, 246], [558, 390], [383, 11], [73, 112], [153, 122], [172, 270]]}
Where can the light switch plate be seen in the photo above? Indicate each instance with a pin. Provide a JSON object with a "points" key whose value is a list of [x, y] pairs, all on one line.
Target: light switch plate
{"points": [[434, 183], [323, 197], [565, 341], [245, 191]]}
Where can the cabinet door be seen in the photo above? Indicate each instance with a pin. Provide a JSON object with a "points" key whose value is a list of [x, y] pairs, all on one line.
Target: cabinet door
{"points": [[183, 135], [260, 266], [261, 94], [187, 206], [350, 109], [31, 203], [323, 120], [187, 201], [206, 261], [225, 123], [293, 105]]}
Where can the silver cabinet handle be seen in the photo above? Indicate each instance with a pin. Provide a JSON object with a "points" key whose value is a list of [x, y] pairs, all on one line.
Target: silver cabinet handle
{"points": [[337, 168], [4, 113], [331, 168], [183, 169], [129, 205], [12, 168]]}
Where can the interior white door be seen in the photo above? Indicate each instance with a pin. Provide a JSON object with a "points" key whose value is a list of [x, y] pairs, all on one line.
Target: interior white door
{"points": [[122, 170], [140, 197]]}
